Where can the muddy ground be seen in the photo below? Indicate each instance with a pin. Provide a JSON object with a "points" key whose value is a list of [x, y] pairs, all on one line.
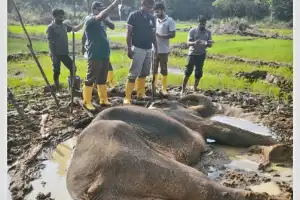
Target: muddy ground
{"points": [[49, 127]]}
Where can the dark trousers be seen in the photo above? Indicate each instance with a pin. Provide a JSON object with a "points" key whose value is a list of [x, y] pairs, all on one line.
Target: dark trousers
{"points": [[97, 72], [65, 59], [161, 60], [196, 61]]}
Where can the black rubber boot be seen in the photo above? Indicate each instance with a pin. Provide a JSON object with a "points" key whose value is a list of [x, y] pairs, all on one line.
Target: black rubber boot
{"points": [[185, 81], [56, 81], [197, 81]]}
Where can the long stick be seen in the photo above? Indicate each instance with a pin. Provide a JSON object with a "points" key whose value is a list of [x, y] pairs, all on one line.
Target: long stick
{"points": [[153, 78], [34, 56], [13, 101], [73, 74], [43, 74]]}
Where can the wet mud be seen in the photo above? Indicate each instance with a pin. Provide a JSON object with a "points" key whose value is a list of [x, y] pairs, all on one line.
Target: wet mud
{"points": [[38, 162]]}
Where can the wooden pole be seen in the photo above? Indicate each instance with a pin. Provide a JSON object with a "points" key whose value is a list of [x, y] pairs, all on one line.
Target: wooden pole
{"points": [[73, 74], [34, 56], [153, 78], [13, 101]]}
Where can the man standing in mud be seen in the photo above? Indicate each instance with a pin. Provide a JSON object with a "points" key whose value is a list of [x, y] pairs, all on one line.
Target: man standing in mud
{"points": [[58, 44], [199, 39], [98, 54], [141, 26], [165, 30], [97, 7]]}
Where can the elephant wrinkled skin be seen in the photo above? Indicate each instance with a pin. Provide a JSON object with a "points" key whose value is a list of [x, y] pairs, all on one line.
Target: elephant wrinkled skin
{"points": [[134, 153]]}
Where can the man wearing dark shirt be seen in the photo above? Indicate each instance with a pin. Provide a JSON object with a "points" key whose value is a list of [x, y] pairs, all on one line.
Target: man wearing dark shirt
{"points": [[98, 53], [141, 26], [199, 39], [58, 44], [97, 7]]}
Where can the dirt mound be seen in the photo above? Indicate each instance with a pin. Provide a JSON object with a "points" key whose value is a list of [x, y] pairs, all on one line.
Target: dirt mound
{"points": [[279, 154], [243, 28], [284, 84], [236, 27]]}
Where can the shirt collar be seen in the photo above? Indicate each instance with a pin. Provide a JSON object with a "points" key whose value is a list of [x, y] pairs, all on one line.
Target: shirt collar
{"points": [[164, 19]]}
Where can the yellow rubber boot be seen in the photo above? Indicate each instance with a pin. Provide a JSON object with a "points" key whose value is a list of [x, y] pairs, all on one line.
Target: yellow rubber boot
{"points": [[128, 92], [87, 97], [140, 87], [102, 92], [164, 85], [110, 79]]}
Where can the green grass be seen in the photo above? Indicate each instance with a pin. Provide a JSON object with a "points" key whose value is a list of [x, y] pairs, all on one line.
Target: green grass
{"points": [[18, 45], [229, 68], [260, 49], [183, 25], [217, 74]]}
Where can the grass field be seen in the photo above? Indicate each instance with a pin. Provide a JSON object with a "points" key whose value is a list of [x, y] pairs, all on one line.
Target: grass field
{"points": [[217, 74], [258, 49]]}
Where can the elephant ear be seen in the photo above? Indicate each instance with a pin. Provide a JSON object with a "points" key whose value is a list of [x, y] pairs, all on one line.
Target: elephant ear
{"points": [[95, 186]]}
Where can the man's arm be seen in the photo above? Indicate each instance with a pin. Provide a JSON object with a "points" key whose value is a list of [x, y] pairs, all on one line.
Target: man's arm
{"points": [[130, 25], [51, 40], [78, 27], [172, 31], [170, 35], [209, 41], [103, 14], [129, 36], [191, 40], [83, 40], [154, 40], [109, 23], [154, 35]]}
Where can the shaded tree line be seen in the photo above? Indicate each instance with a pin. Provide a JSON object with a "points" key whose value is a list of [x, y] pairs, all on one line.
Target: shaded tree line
{"points": [[182, 9]]}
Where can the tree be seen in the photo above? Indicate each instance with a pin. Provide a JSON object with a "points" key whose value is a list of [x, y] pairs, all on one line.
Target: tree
{"points": [[283, 9]]}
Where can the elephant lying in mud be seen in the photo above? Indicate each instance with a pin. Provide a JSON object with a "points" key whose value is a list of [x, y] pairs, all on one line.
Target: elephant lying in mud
{"points": [[196, 118], [134, 153]]}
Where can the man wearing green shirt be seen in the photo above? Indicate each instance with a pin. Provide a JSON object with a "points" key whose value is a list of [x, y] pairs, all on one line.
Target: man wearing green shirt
{"points": [[97, 7], [98, 53]]}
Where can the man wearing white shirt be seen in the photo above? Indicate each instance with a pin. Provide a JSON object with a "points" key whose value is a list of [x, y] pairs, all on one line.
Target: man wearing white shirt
{"points": [[165, 30]]}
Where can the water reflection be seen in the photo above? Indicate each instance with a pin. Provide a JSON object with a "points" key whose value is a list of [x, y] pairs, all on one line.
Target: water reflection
{"points": [[53, 176]]}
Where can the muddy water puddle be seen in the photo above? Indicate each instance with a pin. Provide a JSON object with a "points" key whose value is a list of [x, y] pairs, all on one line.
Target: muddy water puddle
{"points": [[271, 188], [239, 160], [53, 176]]}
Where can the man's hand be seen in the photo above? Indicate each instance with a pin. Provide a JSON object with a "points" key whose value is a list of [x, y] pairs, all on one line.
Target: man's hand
{"points": [[130, 53], [155, 52], [117, 2], [158, 35], [197, 42]]}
